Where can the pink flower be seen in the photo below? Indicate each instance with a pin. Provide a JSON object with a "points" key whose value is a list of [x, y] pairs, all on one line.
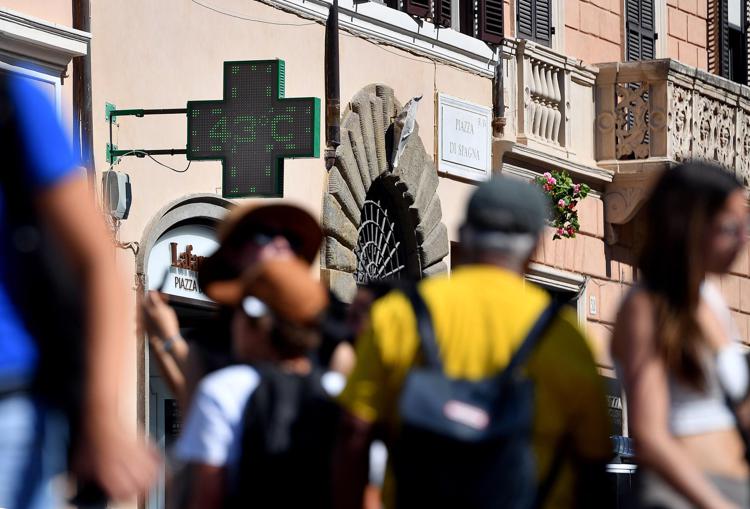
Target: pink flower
{"points": [[561, 203], [551, 181], [560, 231], [547, 187], [548, 175], [572, 205], [571, 230], [577, 188]]}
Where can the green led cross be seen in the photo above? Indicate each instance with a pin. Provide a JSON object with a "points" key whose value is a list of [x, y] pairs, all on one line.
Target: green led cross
{"points": [[254, 128]]}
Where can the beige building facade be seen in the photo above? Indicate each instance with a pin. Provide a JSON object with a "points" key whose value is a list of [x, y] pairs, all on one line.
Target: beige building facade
{"points": [[572, 96]]}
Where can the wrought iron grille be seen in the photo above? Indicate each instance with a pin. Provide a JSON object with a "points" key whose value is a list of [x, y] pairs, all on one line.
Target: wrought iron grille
{"points": [[379, 250]]}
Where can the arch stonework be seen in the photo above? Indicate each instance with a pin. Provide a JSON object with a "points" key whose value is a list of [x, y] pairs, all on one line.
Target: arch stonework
{"points": [[364, 156], [209, 207]]}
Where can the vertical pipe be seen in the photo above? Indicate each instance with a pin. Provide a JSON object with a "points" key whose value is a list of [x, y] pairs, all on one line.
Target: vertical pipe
{"points": [[333, 101], [498, 98], [83, 123]]}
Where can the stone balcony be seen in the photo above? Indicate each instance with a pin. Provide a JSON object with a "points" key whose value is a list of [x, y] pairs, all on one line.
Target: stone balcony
{"points": [[549, 113], [650, 115]]}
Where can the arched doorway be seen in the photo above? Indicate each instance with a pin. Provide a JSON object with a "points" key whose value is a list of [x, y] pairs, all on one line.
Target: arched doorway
{"points": [[175, 240]]}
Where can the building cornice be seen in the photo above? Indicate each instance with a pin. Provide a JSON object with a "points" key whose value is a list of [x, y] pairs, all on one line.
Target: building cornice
{"points": [[44, 43], [384, 25]]}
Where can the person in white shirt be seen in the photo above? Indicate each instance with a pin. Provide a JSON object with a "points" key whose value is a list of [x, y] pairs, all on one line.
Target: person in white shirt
{"points": [[276, 322]]}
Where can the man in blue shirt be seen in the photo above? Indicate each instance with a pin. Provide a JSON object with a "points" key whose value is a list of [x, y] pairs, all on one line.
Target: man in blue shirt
{"points": [[32, 436]]}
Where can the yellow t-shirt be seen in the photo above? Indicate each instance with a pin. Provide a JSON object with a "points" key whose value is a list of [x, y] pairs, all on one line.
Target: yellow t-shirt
{"points": [[481, 315]]}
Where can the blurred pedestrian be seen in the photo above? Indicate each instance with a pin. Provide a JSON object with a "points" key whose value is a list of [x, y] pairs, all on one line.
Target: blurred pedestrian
{"points": [[249, 235], [260, 433], [423, 349], [677, 348], [62, 329]]}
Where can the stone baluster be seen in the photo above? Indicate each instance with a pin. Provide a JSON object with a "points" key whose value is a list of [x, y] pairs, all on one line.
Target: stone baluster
{"points": [[536, 95]]}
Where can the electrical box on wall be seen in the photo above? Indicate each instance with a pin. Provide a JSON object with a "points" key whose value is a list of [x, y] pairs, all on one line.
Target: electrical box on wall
{"points": [[117, 194]]}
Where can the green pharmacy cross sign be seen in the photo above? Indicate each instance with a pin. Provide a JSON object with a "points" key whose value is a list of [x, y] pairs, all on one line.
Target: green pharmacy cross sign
{"points": [[254, 128]]}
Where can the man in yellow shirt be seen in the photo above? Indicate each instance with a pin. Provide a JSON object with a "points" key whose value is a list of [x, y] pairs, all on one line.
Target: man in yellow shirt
{"points": [[480, 316]]}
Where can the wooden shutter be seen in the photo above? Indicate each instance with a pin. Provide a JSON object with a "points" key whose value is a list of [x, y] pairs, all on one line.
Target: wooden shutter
{"points": [[525, 19], [543, 22], [490, 21], [442, 14], [534, 20], [723, 39], [419, 8], [713, 36], [640, 41]]}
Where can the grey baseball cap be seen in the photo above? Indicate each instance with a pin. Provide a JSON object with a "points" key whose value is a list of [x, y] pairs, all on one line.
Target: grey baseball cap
{"points": [[507, 205]]}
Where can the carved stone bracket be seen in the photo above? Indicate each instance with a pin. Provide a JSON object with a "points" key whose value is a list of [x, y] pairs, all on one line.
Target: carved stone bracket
{"points": [[625, 195]]}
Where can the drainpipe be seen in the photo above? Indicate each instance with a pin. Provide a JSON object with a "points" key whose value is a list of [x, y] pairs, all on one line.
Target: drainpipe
{"points": [[83, 123], [333, 101], [498, 97]]}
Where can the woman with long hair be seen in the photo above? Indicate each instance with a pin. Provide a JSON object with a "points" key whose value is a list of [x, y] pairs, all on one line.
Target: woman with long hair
{"points": [[677, 349]]}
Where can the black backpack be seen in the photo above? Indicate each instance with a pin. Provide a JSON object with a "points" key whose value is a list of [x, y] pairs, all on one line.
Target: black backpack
{"points": [[41, 284], [289, 430], [466, 443]]}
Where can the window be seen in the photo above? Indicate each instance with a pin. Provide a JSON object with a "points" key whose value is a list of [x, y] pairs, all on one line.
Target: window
{"points": [[640, 41], [482, 19], [534, 21], [736, 42], [561, 285], [728, 40]]}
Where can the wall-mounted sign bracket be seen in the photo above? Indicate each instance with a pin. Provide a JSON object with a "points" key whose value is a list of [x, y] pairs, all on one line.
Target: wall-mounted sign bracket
{"points": [[114, 153]]}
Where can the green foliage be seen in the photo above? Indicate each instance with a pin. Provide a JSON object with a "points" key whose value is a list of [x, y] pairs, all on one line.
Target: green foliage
{"points": [[565, 197]]}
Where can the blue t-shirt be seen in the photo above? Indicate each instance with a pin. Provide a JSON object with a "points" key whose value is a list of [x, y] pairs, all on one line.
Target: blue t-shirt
{"points": [[47, 160]]}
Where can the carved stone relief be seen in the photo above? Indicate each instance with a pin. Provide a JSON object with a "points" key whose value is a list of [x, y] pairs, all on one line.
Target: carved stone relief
{"points": [[680, 121], [715, 131], [742, 166], [631, 124]]}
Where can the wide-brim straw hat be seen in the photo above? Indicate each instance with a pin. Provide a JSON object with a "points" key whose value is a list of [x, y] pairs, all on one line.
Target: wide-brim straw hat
{"points": [[284, 285], [295, 224]]}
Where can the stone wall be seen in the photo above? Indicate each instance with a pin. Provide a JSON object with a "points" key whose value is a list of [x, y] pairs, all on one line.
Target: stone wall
{"points": [[687, 32], [594, 30], [736, 289], [610, 270]]}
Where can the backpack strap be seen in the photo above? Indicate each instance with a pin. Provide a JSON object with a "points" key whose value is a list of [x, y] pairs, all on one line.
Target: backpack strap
{"points": [[425, 329]]}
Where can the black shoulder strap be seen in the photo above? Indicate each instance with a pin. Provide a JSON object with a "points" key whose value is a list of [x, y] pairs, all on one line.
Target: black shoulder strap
{"points": [[425, 329]]}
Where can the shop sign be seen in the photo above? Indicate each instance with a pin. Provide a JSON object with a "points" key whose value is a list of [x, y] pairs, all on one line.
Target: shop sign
{"points": [[254, 128], [464, 138], [175, 261]]}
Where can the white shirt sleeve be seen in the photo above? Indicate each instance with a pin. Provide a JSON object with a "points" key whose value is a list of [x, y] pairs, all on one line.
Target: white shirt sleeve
{"points": [[212, 431]]}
